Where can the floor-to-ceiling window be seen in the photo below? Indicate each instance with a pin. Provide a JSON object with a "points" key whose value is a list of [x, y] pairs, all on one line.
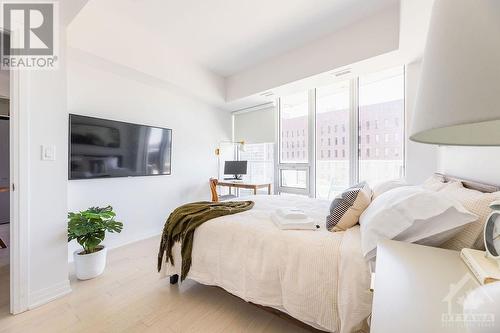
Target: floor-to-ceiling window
{"points": [[294, 165], [381, 125], [358, 134], [260, 167], [332, 138]]}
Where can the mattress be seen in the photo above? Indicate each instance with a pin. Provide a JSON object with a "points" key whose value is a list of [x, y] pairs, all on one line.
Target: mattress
{"points": [[317, 277]]}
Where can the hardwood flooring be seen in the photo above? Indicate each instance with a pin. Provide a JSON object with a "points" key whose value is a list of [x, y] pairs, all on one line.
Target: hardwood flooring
{"points": [[130, 297]]}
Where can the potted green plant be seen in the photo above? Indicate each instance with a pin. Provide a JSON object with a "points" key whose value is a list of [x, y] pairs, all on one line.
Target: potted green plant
{"points": [[89, 229]]}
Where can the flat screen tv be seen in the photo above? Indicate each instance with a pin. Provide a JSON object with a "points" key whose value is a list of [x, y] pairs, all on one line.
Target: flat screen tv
{"points": [[101, 148]]}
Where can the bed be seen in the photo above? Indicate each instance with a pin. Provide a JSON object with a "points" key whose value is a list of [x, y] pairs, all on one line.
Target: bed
{"points": [[317, 277]]}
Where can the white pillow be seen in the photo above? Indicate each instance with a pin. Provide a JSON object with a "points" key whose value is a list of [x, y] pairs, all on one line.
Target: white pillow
{"points": [[434, 183], [383, 187], [411, 214]]}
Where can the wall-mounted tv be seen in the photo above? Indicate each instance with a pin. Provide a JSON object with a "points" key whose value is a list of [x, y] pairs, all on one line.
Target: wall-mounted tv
{"points": [[101, 148]]}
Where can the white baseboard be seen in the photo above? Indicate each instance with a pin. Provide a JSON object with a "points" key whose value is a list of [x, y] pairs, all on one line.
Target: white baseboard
{"points": [[43, 296], [115, 245], [135, 239]]}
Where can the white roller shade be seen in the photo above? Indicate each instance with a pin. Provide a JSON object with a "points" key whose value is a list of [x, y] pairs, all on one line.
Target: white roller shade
{"points": [[255, 126]]}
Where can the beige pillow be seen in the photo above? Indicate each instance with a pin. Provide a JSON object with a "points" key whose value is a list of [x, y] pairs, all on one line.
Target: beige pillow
{"points": [[475, 202], [346, 208]]}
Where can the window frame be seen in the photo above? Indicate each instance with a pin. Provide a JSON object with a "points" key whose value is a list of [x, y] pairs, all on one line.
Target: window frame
{"points": [[387, 122], [310, 165], [354, 131]]}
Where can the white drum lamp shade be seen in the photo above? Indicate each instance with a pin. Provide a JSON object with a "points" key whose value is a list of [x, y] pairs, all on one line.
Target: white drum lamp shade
{"points": [[458, 99]]}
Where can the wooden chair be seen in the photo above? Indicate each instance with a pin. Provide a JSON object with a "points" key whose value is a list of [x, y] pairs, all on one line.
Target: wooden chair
{"points": [[213, 191]]}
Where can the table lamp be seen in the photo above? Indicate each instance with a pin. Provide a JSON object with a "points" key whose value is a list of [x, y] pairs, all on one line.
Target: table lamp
{"points": [[458, 99]]}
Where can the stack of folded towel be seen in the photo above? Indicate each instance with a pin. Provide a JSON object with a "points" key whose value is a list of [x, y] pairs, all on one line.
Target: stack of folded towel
{"points": [[293, 219]]}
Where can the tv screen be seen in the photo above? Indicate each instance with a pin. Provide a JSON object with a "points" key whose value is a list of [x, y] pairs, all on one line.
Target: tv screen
{"points": [[101, 148]]}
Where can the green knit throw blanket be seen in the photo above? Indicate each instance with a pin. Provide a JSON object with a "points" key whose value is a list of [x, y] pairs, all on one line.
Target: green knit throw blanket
{"points": [[184, 220]]}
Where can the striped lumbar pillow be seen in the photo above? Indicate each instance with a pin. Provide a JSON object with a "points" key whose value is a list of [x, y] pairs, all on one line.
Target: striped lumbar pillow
{"points": [[346, 208]]}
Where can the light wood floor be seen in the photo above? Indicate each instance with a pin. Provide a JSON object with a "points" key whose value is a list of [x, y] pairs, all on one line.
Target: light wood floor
{"points": [[130, 297]]}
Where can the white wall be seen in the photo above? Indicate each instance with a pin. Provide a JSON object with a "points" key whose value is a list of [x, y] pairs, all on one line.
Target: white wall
{"points": [[415, 17], [42, 116], [43, 95], [124, 42], [377, 35], [100, 88], [421, 159], [481, 164]]}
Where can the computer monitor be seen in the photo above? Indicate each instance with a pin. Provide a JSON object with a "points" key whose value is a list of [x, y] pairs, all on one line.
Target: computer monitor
{"points": [[235, 168]]}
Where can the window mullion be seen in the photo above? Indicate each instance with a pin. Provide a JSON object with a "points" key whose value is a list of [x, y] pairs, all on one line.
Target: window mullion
{"points": [[312, 143], [354, 131], [277, 151]]}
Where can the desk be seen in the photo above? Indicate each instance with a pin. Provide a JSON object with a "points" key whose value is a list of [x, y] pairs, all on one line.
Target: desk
{"points": [[241, 184]]}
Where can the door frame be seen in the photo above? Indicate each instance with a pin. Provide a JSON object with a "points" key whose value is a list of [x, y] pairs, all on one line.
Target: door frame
{"points": [[20, 184]]}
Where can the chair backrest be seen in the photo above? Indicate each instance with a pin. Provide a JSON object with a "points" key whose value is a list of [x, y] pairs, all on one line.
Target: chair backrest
{"points": [[213, 189]]}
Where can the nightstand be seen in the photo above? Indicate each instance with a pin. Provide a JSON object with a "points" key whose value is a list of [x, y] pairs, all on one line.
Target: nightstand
{"points": [[419, 289]]}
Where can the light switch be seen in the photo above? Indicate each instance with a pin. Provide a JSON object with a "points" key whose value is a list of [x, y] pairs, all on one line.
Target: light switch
{"points": [[48, 153]]}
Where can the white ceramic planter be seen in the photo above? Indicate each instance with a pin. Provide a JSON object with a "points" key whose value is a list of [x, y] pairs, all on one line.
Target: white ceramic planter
{"points": [[88, 266]]}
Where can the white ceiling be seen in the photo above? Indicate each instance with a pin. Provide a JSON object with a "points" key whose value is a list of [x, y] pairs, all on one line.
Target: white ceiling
{"points": [[227, 36], [211, 48]]}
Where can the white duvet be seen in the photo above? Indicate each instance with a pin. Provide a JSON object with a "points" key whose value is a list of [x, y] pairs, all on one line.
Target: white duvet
{"points": [[318, 277]]}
